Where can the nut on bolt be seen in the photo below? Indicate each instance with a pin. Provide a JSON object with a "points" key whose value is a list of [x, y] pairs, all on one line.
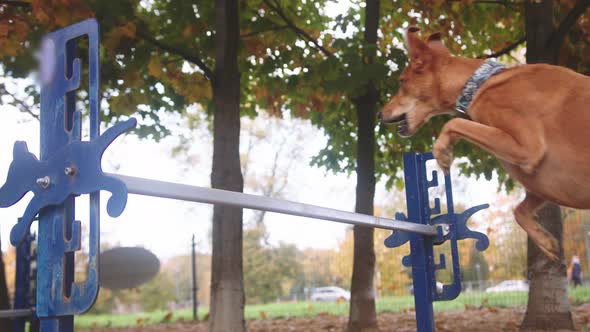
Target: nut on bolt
{"points": [[44, 182], [70, 171]]}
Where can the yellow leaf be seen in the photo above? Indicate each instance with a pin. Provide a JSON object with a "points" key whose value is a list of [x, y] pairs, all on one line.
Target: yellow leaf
{"points": [[4, 29], [113, 38], [189, 31], [111, 41], [493, 310], [155, 67], [133, 78], [167, 317], [128, 30]]}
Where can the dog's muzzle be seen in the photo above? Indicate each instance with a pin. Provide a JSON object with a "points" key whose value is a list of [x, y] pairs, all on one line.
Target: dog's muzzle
{"points": [[402, 123]]}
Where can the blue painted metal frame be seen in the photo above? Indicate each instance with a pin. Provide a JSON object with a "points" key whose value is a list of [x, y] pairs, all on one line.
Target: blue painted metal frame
{"points": [[453, 227], [59, 235], [23, 298], [68, 167]]}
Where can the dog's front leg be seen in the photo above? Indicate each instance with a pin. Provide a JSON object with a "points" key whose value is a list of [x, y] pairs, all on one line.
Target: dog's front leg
{"points": [[443, 151], [525, 152]]}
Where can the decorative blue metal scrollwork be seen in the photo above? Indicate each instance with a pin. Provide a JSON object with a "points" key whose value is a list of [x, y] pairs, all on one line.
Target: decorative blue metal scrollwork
{"points": [[73, 170], [451, 227], [462, 232]]}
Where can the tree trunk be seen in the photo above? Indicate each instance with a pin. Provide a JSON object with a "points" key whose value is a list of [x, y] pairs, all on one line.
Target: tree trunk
{"points": [[227, 286], [363, 316], [548, 307]]}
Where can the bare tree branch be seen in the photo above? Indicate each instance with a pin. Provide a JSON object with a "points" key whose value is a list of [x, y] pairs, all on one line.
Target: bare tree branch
{"points": [[254, 33], [505, 50], [515, 59], [17, 102], [568, 22], [277, 8], [185, 54]]}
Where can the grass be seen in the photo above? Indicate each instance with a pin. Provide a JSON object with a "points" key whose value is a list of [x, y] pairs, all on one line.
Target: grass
{"points": [[308, 309]]}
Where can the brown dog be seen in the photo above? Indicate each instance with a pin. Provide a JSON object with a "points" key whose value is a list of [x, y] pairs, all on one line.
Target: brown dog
{"points": [[534, 118]]}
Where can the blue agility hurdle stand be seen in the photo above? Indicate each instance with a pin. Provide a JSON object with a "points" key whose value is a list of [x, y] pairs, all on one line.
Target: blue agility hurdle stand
{"points": [[450, 226], [23, 285], [69, 167]]}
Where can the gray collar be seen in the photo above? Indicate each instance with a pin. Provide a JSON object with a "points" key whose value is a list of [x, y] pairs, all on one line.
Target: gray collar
{"points": [[479, 77]]}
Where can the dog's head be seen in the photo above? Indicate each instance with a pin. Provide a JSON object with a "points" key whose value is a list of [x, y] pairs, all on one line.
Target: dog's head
{"points": [[419, 96]]}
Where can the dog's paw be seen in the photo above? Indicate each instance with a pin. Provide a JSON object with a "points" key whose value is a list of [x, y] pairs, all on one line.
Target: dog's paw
{"points": [[443, 154], [547, 243], [527, 169], [551, 251], [531, 164], [531, 167]]}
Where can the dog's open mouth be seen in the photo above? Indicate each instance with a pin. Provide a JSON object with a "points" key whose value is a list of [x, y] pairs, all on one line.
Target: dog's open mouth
{"points": [[402, 125]]}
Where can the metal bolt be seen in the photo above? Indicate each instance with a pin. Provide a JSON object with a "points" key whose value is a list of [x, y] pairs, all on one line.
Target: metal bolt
{"points": [[70, 171], [446, 228], [44, 182]]}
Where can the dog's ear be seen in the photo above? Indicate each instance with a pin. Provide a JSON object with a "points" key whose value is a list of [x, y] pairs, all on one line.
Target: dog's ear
{"points": [[414, 44], [435, 43], [418, 50]]}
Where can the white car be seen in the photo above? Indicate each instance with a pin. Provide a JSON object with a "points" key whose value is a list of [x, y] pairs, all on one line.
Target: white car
{"points": [[509, 286], [329, 294], [439, 288]]}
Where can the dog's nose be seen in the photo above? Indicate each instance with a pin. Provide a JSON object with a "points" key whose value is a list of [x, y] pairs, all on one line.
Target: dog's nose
{"points": [[379, 115]]}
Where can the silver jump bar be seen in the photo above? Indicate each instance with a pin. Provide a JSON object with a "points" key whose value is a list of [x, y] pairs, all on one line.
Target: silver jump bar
{"points": [[16, 313], [155, 188]]}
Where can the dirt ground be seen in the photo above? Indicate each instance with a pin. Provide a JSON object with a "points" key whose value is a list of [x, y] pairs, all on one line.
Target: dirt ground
{"points": [[473, 320]]}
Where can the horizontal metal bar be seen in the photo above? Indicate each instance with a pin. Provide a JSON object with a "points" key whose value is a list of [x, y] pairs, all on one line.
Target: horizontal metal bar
{"points": [[155, 188], [16, 313]]}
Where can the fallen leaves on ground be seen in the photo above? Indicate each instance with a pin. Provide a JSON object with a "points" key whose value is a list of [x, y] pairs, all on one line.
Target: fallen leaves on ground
{"points": [[484, 319]]}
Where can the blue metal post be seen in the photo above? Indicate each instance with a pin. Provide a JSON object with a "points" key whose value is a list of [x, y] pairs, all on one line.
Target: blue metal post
{"points": [[22, 288], [421, 246], [58, 297]]}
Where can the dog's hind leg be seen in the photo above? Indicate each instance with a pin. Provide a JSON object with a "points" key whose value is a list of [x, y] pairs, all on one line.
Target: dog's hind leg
{"points": [[525, 217]]}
